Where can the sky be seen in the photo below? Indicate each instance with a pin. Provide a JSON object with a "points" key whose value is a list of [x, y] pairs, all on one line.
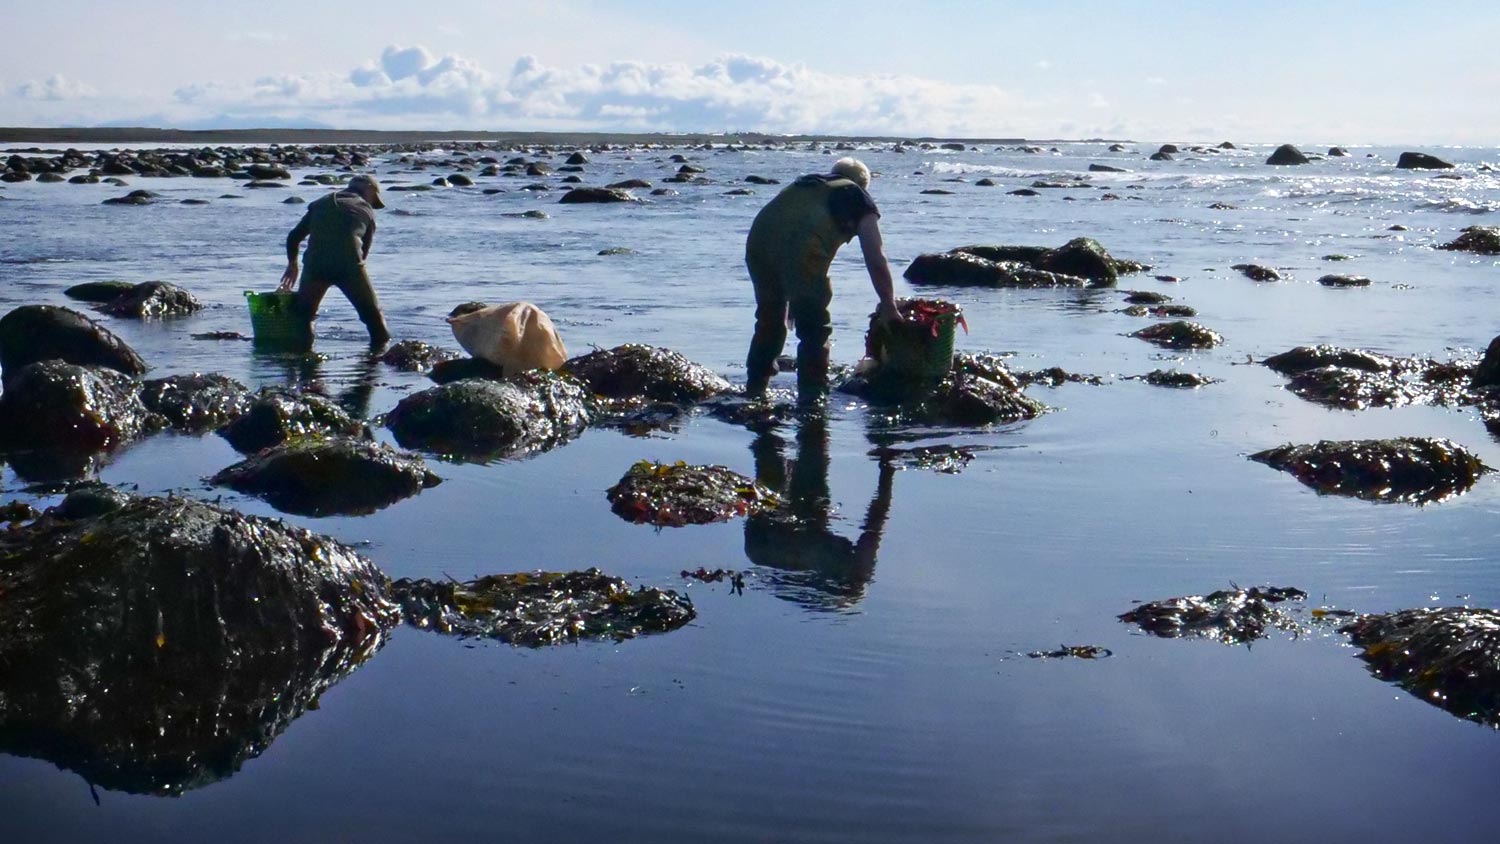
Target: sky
{"points": [[1316, 73]]}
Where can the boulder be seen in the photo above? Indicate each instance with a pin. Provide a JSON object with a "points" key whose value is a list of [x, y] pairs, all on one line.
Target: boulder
{"points": [[577, 195], [34, 333], [268, 171], [964, 269], [152, 299], [636, 370], [457, 369], [1169, 149], [196, 403], [1334, 280], [459, 180], [1023, 254], [1231, 616], [1481, 240], [1304, 358], [1447, 656], [1177, 379], [156, 647], [1421, 161], [976, 392], [577, 159], [478, 419], [135, 197], [1179, 334], [98, 292], [328, 477], [1286, 155], [1487, 373], [1105, 168], [677, 494], [1082, 257], [416, 356], [1160, 156], [54, 406], [1415, 470], [629, 183], [276, 415], [1256, 272], [1337, 152]]}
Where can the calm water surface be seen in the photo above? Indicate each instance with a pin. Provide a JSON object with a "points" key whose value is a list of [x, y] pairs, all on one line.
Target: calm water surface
{"points": [[857, 691]]}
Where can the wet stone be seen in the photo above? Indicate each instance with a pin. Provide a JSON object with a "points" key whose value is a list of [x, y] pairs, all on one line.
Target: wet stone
{"points": [[1146, 297], [196, 403], [1171, 310], [221, 335], [1449, 656], [1177, 379], [478, 420], [1055, 376], [755, 414], [98, 292], [542, 608], [943, 458], [459, 368], [1231, 616], [967, 270], [1256, 272], [17, 511], [1333, 280], [1304, 358], [276, 415], [605, 195], [1179, 335], [326, 477], [157, 647], [1414, 470], [1073, 652], [59, 407], [416, 356], [1480, 240], [635, 370], [33, 333], [1353, 389], [677, 494]]}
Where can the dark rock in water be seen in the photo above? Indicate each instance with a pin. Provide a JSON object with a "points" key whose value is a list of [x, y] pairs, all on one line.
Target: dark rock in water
{"points": [[268, 171], [1335, 257], [1146, 297], [1231, 616], [1344, 281], [326, 477], [598, 195], [99, 291], [60, 407], [1023, 254], [476, 419], [90, 501], [1169, 149], [1177, 379], [1421, 161], [1353, 389], [1416, 470], [635, 370], [762, 180], [155, 648], [135, 197], [1074, 652], [1082, 257], [1023, 192], [629, 183], [1105, 168], [616, 250], [943, 458], [294, 200], [1052, 376], [749, 192], [1222, 206], [196, 403], [1481, 240], [1179, 335], [1487, 373], [1337, 152], [416, 356], [985, 183], [1304, 358], [276, 415], [754, 414], [1286, 154], [17, 511], [1161, 156], [977, 391], [220, 335], [1171, 310], [153, 299], [1447, 656], [962, 268], [533, 609], [1256, 272], [457, 369], [676, 495], [1117, 148], [34, 333], [577, 158], [937, 192], [459, 180]]}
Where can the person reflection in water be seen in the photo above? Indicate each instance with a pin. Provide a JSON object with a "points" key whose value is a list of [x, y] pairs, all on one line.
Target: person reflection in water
{"points": [[823, 568]]}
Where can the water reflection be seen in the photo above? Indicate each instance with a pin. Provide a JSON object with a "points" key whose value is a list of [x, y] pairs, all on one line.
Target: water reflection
{"points": [[355, 377], [807, 561]]}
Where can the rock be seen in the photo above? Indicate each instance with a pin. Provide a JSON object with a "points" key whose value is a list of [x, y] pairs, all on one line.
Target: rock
{"points": [[276, 415], [1161, 156], [962, 268], [1335, 257], [577, 158], [1082, 257], [1256, 272], [1146, 297], [327, 477], [1179, 334], [291, 200], [616, 250], [1304, 358], [476, 419], [262, 183], [457, 369], [84, 179], [533, 609], [937, 192], [56, 407], [155, 648], [1169, 149], [416, 356], [1448, 656], [153, 299], [537, 168], [1117, 148], [977, 391], [985, 183], [1353, 389], [1416, 470], [1286, 155], [577, 195], [135, 197], [762, 180], [268, 171], [1337, 152], [221, 335], [1481, 240], [1344, 281], [1024, 254], [196, 403], [749, 192], [1230, 616], [676, 495], [98, 291], [635, 370], [1177, 379], [1023, 192], [459, 180], [629, 183], [34, 333], [1487, 373], [1105, 168], [1421, 161]]}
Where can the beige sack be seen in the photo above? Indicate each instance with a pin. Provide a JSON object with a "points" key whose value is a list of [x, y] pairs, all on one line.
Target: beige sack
{"points": [[516, 336]]}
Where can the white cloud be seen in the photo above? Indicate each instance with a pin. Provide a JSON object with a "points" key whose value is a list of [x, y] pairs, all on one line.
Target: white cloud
{"points": [[1096, 100], [1042, 64], [54, 88]]}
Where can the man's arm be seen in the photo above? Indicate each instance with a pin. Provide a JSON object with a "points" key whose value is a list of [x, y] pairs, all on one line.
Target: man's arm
{"points": [[369, 239], [294, 240], [873, 248]]}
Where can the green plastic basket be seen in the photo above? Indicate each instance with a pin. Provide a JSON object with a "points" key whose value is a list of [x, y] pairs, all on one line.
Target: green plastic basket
{"points": [[275, 320], [914, 352]]}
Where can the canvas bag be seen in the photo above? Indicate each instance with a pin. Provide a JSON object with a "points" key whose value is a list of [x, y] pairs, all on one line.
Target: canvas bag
{"points": [[515, 336]]}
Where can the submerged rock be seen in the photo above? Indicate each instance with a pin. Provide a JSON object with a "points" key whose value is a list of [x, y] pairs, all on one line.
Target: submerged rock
{"points": [[1334, 280], [1421, 161], [636, 370], [98, 292], [1353, 389], [1178, 379], [155, 648], [1304, 358], [1231, 616], [59, 407], [977, 391], [1416, 470], [1256, 272], [153, 299], [676, 494], [577, 195], [1481, 240], [542, 608], [34, 333], [416, 356], [1146, 297], [478, 419], [276, 415], [1179, 335], [1449, 656], [325, 477], [196, 403]]}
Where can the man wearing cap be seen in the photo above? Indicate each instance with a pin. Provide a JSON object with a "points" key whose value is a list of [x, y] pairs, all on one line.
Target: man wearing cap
{"points": [[791, 246], [341, 227]]}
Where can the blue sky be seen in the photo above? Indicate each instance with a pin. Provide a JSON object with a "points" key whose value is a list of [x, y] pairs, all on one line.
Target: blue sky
{"points": [[1315, 73]]}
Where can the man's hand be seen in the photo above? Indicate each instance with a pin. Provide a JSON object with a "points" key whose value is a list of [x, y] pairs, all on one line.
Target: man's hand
{"points": [[288, 278], [887, 311]]}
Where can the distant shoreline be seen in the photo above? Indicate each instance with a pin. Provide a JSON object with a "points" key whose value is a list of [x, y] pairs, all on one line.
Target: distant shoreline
{"points": [[143, 135]]}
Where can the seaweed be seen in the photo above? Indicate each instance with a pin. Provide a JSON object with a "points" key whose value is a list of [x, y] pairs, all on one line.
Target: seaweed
{"points": [[676, 494], [1449, 656], [1231, 616]]}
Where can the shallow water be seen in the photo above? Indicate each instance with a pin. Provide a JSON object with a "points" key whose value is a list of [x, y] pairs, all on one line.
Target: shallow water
{"points": [[848, 698]]}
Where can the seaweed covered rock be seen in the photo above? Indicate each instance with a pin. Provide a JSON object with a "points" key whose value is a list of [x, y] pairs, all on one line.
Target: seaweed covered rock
{"points": [[634, 370], [152, 299], [965, 269], [1481, 240], [1304, 358], [1337, 280], [1354, 389], [196, 403], [1179, 334], [157, 647], [478, 419], [327, 477], [1082, 257], [1178, 379], [1487, 373], [416, 356], [276, 415], [542, 608], [577, 195], [98, 292], [677, 494], [1415, 470], [977, 391], [1256, 272], [34, 333], [59, 407], [1230, 616], [457, 369], [1449, 656]]}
